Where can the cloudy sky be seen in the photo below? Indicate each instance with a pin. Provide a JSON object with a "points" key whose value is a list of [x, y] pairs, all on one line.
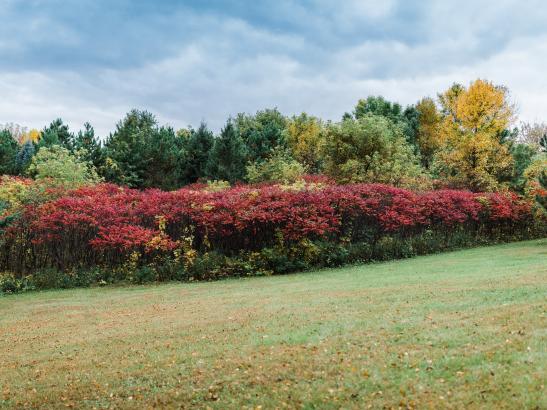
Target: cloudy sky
{"points": [[187, 61]]}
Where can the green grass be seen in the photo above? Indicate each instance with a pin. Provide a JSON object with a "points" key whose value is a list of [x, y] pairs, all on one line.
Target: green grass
{"points": [[458, 330]]}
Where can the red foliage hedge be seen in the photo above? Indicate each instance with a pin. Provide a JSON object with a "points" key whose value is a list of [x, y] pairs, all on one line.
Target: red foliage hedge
{"points": [[104, 223]]}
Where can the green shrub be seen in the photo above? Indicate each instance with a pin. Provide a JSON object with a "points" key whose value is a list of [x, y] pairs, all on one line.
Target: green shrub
{"points": [[207, 266], [280, 167], [59, 166], [10, 284]]}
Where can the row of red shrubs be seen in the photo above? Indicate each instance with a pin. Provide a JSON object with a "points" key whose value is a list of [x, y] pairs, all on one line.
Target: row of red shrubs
{"points": [[106, 223]]}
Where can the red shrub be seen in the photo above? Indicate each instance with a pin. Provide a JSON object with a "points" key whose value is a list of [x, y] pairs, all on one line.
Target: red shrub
{"points": [[106, 219]]}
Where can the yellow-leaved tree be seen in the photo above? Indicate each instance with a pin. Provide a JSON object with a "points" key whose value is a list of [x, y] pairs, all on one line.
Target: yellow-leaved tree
{"points": [[475, 120], [306, 140], [25, 135], [428, 137]]}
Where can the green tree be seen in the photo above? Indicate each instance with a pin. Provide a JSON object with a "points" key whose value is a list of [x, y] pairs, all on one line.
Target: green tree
{"points": [[370, 149], [543, 143], [163, 151], [8, 153], [523, 155], [57, 133], [89, 145], [126, 157], [407, 119], [261, 133], [378, 106], [59, 166], [228, 157], [197, 147]]}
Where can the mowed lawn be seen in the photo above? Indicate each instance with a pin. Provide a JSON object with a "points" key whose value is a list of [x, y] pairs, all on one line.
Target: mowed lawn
{"points": [[464, 329]]}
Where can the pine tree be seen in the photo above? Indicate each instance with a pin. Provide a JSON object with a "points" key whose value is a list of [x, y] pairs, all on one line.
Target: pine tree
{"points": [[196, 149], [163, 149], [228, 156], [262, 133], [125, 149], [91, 146], [140, 154], [8, 153], [57, 133]]}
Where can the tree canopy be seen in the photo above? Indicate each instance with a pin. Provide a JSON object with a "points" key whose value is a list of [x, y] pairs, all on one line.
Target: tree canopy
{"points": [[464, 138]]}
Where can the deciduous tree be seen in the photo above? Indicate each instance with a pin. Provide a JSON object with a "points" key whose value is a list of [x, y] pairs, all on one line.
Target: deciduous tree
{"points": [[280, 167], [59, 166], [306, 140], [428, 135], [370, 149], [475, 121]]}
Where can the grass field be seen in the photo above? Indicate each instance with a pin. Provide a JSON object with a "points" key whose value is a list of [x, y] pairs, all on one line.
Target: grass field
{"points": [[459, 330]]}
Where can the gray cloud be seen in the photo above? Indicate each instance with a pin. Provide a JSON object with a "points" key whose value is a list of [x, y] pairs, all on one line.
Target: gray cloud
{"points": [[204, 61]]}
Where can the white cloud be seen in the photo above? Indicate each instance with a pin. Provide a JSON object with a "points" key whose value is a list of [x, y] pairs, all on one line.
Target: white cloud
{"points": [[236, 66]]}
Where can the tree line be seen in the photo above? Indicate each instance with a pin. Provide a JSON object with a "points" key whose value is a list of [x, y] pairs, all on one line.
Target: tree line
{"points": [[464, 138]]}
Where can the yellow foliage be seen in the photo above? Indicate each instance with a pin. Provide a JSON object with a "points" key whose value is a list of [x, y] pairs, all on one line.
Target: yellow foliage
{"points": [[306, 140], [472, 155], [14, 193], [429, 136], [476, 161], [484, 108], [32, 135], [532, 173]]}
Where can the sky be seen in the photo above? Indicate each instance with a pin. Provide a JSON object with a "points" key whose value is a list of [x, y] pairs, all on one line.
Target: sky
{"points": [[204, 60]]}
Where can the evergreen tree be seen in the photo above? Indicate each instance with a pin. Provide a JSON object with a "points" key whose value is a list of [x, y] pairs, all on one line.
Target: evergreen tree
{"points": [[86, 141], [8, 153], [57, 133], [125, 152], [228, 156], [262, 133], [24, 157], [142, 155], [410, 123], [197, 147], [163, 153]]}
